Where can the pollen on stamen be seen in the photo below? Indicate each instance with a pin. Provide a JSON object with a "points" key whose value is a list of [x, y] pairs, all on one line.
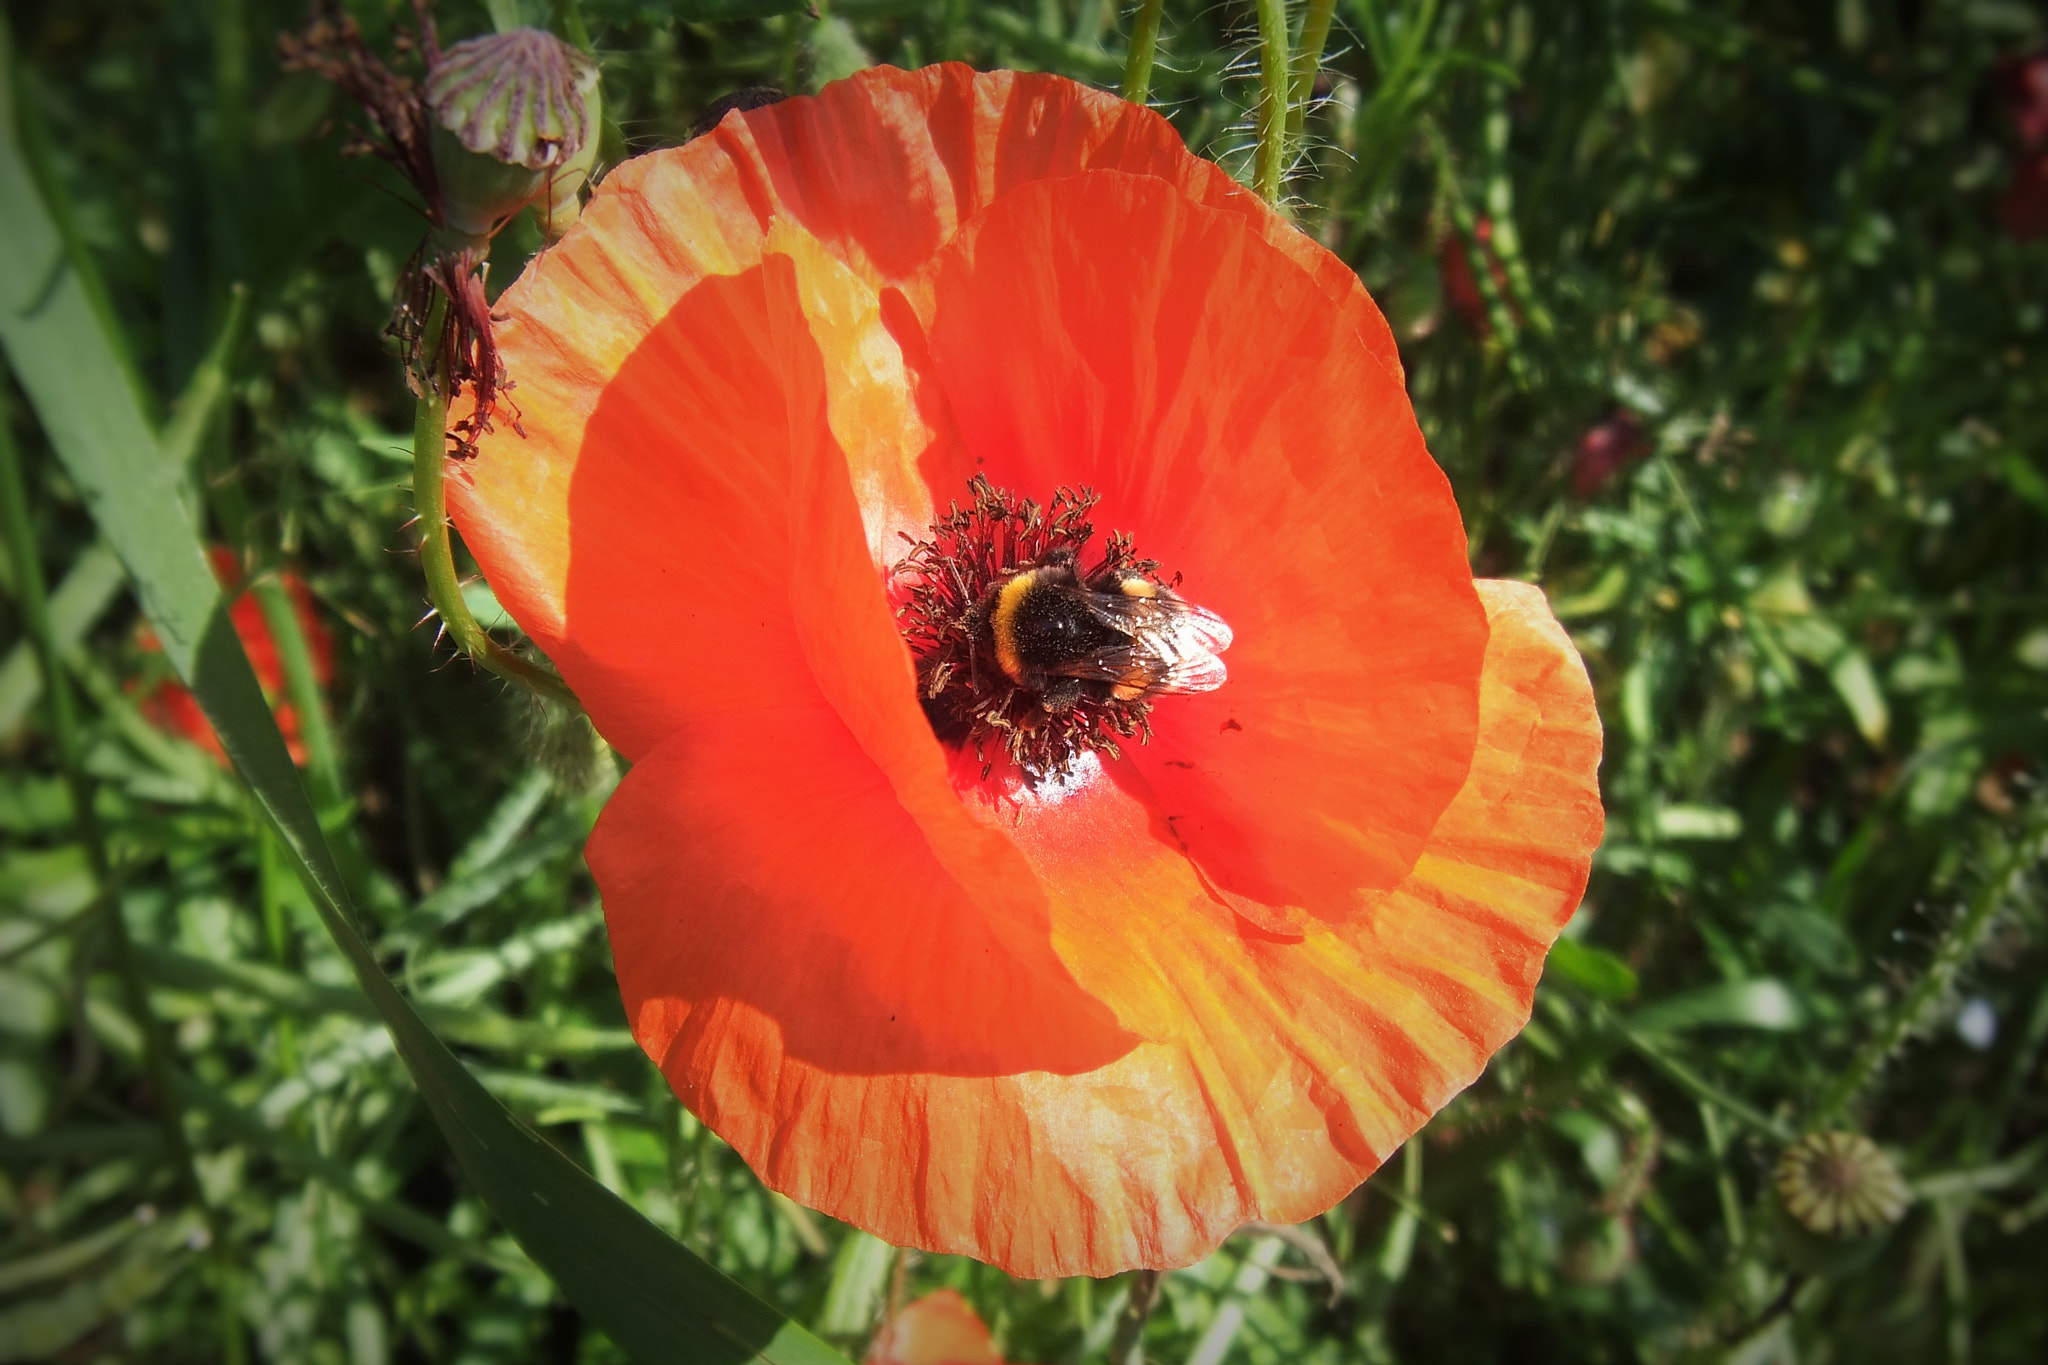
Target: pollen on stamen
{"points": [[950, 583]]}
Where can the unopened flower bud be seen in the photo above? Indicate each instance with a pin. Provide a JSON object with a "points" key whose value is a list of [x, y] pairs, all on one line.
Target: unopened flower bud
{"points": [[515, 119], [1841, 1184]]}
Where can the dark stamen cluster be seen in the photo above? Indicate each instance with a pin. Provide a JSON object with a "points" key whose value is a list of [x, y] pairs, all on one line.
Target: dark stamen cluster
{"points": [[951, 578]]}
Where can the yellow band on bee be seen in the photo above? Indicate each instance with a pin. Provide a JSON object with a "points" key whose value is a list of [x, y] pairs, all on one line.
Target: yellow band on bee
{"points": [[1003, 623]]}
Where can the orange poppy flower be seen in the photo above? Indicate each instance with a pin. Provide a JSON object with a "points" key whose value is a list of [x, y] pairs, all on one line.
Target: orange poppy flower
{"points": [[174, 708], [1100, 1020], [939, 1329]]}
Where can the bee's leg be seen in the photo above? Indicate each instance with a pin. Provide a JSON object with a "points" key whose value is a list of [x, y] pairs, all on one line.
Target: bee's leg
{"points": [[1060, 694]]}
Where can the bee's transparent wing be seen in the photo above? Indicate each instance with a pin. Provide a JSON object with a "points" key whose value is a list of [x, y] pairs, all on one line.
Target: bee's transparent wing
{"points": [[1173, 645]]}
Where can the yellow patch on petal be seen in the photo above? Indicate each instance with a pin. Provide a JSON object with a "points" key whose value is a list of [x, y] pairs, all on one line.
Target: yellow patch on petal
{"points": [[869, 403]]}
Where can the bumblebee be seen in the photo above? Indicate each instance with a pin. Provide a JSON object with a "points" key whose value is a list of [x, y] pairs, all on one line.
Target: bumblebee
{"points": [[1125, 640]]}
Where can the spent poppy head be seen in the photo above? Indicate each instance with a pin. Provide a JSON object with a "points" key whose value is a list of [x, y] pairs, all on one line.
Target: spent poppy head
{"points": [[1081, 800]]}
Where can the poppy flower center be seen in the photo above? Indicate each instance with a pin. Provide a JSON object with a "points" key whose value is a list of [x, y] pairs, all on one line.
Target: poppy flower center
{"points": [[1027, 650]]}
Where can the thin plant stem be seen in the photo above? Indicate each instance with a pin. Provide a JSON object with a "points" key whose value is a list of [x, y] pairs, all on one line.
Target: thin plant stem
{"points": [[1308, 60], [33, 599], [1949, 1217], [302, 686], [277, 936], [1702, 1089], [1724, 1182], [1399, 1247], [1144, 47], [566, 19], [1271, 161], [1500, 210], [1955, 949], [1500, 314], [204, 392], [437, 555], [323, 762], [1127, 1347], [2024, 1058]]}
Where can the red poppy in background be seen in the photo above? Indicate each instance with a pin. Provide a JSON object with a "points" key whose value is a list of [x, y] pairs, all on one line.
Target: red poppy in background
{"points": [[2023, 209], [174, 708], [1606, 450], [1460, 285], [2024, 83], [939, 1329], [1105, 1020]]}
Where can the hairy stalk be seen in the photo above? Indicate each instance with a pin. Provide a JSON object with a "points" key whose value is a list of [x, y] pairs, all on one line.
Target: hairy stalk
{"points": [[437, 555], [1500, 314], [1308, 60], [1956, 948], [1500, 210], [1144, 47], [35, 609], [1272, 110]]}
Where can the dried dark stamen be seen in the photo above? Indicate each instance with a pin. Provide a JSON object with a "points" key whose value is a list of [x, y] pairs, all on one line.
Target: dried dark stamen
{"points": [[331, 46], [452, 347], [462, 351], [950, 577]]}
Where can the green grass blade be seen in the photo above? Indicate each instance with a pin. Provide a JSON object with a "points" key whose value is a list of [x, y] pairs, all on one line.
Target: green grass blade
{"points": [[88, 589], [652, 1296]]}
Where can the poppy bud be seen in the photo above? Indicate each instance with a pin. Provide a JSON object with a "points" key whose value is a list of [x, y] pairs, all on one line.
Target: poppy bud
{"points": [[515, 118], [939, 1329], [1841, 1184], [1603, 1253]]}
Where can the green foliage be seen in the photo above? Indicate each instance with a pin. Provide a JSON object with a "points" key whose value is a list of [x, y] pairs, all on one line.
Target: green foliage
{"points": [[1706, 311]]}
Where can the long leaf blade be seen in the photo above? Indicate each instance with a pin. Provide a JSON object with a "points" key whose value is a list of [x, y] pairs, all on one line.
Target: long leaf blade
{"points": [[652, 1296]]}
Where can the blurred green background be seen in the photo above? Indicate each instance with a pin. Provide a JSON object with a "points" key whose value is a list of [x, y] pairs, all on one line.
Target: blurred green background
{"points": [[1727, 323]]}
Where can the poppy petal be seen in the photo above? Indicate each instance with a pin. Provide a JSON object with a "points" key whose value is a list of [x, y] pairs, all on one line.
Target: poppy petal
{"points": [[682, 492], [1272, 1077], [789, 739], [1102, 330], [175, 709], [880, 169]]}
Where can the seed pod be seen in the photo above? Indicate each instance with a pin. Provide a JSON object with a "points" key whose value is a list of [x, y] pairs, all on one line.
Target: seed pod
{"points": [[1841, 1183], [515, 118]]}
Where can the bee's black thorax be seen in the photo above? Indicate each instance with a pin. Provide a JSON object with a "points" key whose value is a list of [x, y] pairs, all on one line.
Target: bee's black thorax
{"points": [[1040, 620]]}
